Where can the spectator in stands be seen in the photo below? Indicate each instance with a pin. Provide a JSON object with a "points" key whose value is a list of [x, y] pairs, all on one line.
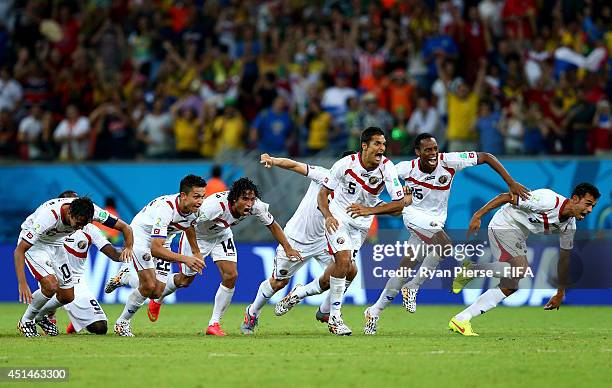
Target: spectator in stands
{"points": [[155, 131], [272, 129], [31, 134], [73, 134], [7, 134], [488, 128], [231, 128], [186, 131], [424, 118], [513, 128], [372, 115], [11, 92], [215, 184], [335, 98], [602, 127], [579, 122], [320, 127]]}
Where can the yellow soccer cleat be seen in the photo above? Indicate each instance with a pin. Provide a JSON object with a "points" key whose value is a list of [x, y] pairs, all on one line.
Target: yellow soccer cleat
{"points": [[461, 327], [461, 280]]}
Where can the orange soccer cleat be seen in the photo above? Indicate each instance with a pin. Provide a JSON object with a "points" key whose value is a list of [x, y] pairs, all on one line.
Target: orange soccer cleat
{"points": [[215, 329], [70, 329], [153, 310]]}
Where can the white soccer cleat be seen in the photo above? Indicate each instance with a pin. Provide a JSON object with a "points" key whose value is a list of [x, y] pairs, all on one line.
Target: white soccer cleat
{"points": [[371, 322], [336, 326], [409, 298], [123, 329], [27, 329], [287, 303], [115, 282]]}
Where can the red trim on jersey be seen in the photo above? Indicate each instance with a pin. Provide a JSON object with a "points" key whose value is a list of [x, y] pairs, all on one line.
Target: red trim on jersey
{"points": [[88, 238], [426, 239], [179, 226], [329, 248], [63, 215], [545, 219], [352, 156], [385, 160], [371, 190], [180, 247], [412, 163], [54, 214], [556, 201], [222, 205], [332, 194], [442, 156], [81, 255], [170, 204], [505, 255], [178, 209], [562, 207], [432, 187], [450, 170], [37, 276], [221, 220], [135, 266]]}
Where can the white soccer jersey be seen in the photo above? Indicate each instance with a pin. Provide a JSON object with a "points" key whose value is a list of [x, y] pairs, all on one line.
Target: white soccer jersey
{"points": [[540, 214], [430, 192], [215, 218], [306, 226], [161, 218], [353, 183], [77, 245], [48, 226]]}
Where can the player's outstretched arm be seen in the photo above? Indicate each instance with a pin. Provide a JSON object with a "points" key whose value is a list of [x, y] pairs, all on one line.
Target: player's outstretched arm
{"points": [[562, 279], [128, 238], [279, 235], [496, 202], [158, 250], [513, 186], [111, 252], [25, 295], [284, 163]]}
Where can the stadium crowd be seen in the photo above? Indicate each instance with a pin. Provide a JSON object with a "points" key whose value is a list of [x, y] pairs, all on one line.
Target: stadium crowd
{"points": [[124, 79]]}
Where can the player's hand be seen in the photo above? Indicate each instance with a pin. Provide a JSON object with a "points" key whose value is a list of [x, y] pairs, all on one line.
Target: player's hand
{"points": [[520, 190], [331, 225], [554, 302], [293, 254], [356, 210], [266, 160], [194, 263], [200, 256], [126, 255], [25, 295], [474, 226]]}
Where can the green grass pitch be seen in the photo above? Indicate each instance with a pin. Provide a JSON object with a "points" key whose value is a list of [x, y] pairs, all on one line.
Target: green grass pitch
{"points": [[523, 346]]}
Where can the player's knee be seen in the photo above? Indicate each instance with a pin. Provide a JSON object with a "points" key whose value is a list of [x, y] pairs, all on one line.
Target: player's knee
{"points": [[65, 298], [277, 284], [229, 278], [98, 327], [49, 286], [147, 287], [352, 273]]}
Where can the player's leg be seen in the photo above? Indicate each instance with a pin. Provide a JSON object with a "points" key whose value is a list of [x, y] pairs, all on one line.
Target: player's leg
{"points": [[144, 264], [322, 314], [223, 297], [126, 276], [85, 312]]}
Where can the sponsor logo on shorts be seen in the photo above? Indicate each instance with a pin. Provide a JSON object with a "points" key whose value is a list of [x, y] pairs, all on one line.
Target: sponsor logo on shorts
{"points": [[340, 240], [443, 179], [82, 244], [146, 257], [283, 272]]}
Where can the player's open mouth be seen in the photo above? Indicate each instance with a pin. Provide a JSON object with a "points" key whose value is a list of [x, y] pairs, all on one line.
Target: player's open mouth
{"points": [[378, 156], [432, 161]]}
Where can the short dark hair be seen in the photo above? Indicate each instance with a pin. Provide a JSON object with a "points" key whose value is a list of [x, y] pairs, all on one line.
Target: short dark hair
{"points": [[585, 188], [370, 132], [82, 208], [216, 171], [241, 186], [191, 181], [68, 194], [421, 137]]}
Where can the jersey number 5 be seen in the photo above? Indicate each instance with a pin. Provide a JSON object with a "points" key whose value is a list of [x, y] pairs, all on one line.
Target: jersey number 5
{"points": [[351, 188]]}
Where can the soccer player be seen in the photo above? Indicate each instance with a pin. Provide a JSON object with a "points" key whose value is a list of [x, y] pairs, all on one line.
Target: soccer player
{"points": [[305, 233], [429, 178], [215, 238], [154, 228], [357, 181], [40, 245], [543, 213]]}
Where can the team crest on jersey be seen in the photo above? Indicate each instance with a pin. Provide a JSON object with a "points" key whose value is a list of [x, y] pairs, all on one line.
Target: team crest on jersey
{"points": [[146, 257], [81, 244], [373, 180], [443, 179], [340, 240]]}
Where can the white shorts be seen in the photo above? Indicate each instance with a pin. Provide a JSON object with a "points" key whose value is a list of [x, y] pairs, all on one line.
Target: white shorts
{"points": [[44, 260], [285, 268], [421, 224], [143, 259], [507, 243], [346, 238], [84, 309], [218, 248]]}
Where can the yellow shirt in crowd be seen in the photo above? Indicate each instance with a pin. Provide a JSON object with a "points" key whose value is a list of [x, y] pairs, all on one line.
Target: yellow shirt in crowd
{"points": [[319, 131], [186, 135], [462, 114]]}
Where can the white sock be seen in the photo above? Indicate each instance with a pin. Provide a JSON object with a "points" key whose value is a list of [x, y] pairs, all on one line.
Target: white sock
{"points": [[169, 289], [135, 300], [38, 301], [498, 268], [484, 303], [429, 264], [392, 288], [264, 293], [324, 307], [50, 307], [223, 298], [312, 288], [336, 292]]}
